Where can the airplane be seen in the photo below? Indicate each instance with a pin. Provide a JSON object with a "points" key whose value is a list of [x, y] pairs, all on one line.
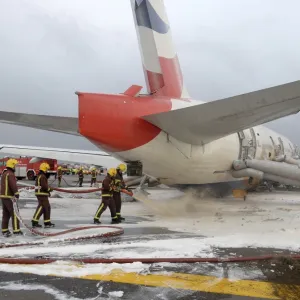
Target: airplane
{"points": [[166, 135], [98, 158]]}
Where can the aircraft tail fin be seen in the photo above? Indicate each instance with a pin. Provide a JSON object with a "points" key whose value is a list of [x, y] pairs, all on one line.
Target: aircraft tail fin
{"points": [[160, 61]]}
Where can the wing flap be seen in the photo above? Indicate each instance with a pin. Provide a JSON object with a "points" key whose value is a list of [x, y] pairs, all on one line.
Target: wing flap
{"points": [[203, 123], [67, 125]]}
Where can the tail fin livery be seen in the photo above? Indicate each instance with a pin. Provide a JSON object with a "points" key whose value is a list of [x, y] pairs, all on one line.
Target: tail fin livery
{"points": [[160, 62]]}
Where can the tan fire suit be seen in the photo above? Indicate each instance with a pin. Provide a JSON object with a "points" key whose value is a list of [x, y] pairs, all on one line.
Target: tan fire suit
{"points": [[9, 190], [42, 192]]}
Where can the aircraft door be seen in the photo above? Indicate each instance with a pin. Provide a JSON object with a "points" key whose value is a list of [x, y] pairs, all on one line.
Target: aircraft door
{"points": [[247, 143], [252, 144], [293, 150], [297, 151], [281, 146]]}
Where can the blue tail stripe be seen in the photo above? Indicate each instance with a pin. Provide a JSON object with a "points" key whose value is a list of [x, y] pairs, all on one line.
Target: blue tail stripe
{"points": [[147, 16]]}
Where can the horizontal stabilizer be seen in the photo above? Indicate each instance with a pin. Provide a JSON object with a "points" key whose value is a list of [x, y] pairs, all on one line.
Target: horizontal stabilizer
{"points": [[203, 123], [98, 158], [68, 125]]}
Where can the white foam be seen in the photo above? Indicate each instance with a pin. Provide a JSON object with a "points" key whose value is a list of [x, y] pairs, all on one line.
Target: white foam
{"points": [[213, 223], [70, 269], [117, 294]]}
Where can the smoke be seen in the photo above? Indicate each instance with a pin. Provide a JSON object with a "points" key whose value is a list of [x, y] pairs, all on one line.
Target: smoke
{"points": [[191, 203]]}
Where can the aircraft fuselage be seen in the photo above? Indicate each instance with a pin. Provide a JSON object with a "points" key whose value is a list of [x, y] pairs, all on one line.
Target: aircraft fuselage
{"points": [[114, 123]]}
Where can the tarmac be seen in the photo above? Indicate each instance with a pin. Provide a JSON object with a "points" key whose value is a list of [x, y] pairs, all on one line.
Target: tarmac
{"points": [[148, 234]]}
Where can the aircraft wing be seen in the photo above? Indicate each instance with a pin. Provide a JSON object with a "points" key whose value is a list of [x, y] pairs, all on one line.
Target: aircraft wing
{"points": [[203, 123], [68, 125], [98, 158]]}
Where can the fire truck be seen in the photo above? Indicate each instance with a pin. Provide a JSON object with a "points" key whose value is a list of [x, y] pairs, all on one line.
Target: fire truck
{"points": [[26, 169]]}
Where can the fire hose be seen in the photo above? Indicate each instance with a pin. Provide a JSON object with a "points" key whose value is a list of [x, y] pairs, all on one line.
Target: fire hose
{"points": [[176, 260], [36, 232], [79, 191], [117, 232]]}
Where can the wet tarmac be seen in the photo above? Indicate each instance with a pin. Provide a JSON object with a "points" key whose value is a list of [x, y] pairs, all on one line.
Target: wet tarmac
{"points": [[280, 285], [276, 279], [42, 287]]}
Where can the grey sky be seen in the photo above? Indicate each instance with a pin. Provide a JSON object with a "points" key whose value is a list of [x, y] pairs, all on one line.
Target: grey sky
{"points": [[51, 48]]}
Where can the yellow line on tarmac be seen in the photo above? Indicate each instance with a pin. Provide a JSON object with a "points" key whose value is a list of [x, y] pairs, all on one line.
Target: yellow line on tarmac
{"points": [[193, 282]]}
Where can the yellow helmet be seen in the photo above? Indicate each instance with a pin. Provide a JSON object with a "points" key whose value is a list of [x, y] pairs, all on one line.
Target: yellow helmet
{"points": [[122, 167], [11, 163], [44, 167], [112, 172], [59, 168]]}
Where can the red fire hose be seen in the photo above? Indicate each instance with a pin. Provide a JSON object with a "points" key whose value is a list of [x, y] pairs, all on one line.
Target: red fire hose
{"points": [[87, 191], [176, 260], [117, 232], [76, 191], [36, 232]]}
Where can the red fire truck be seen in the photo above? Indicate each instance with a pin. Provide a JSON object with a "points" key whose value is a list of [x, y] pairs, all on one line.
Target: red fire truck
{"points": [[26, 169]]}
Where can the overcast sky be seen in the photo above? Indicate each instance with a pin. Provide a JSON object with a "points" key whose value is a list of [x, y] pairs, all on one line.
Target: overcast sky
{"points": [[51, 48]]}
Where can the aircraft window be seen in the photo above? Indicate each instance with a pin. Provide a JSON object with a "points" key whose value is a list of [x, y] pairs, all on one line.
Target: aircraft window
{"points": [[257, 133], [270, 154]]}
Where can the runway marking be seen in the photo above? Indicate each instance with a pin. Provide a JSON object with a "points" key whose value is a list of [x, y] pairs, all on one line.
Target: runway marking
{"points": [[201, 283]]}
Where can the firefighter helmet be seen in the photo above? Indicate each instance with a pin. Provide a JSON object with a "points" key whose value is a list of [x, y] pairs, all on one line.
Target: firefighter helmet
{"points": [[122, 167], [59, 168], [112, 172], [44, 167], [11, 163]]}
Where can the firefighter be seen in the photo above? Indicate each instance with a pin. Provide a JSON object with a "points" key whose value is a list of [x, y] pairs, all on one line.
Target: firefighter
{"points": [[80, 176], [9, 190], [59, 174], [93, 176], [42, 192], [107, 198], [119, 184]]}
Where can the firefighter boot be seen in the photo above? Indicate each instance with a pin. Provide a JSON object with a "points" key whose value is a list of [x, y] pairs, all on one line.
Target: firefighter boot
{"points": [[35, 224], [115, 220], [6, 233], [120, 217], [96, 221], [48, 225], [19, 233]]}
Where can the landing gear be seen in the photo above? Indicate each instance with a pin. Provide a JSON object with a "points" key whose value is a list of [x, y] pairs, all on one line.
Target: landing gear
{"points": [[140, 188]]}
